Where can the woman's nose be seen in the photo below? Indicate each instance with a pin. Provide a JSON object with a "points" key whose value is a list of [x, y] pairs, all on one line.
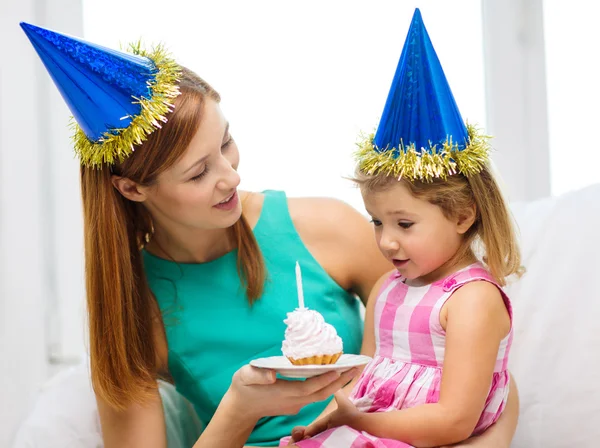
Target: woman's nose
{"points": [[230, 178]]}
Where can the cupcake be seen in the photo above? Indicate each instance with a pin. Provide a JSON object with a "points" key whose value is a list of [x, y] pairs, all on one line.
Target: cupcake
{"points": [[309, 339]]}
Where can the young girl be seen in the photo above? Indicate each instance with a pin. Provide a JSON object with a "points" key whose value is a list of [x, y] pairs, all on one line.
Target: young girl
{"points": [[439, 327]]}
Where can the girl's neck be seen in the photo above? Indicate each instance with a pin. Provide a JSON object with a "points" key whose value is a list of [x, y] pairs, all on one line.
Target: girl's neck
{"points": [[450, 267], [198, 246]]}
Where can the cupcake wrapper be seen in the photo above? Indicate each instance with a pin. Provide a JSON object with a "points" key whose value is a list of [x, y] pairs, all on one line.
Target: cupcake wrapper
{"points": [[316, 360]]}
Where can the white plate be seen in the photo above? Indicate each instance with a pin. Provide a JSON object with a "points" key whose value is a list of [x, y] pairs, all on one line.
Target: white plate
{"points": [[284, 367]]}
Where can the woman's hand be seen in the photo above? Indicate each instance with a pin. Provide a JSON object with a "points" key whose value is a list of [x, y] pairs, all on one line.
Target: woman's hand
{"points": [[270, 396], [255, 393]]}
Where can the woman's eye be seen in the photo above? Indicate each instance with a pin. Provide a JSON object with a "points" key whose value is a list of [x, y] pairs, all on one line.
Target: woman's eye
{"points": [[227, 143], [405, 225], [200, 176]]}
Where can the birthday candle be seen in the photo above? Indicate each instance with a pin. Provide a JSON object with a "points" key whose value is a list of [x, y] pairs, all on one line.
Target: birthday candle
{"points": [[299, 286]]}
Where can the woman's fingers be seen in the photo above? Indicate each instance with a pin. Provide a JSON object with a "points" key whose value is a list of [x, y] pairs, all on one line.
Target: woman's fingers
{"points": [[251, 375], [271, 396], [334, 386], [301, 389], [325, 384]]}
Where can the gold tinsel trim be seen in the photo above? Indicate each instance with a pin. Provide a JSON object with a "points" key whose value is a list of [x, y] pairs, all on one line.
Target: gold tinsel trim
{"points": [[427, 164], [118, 144]]}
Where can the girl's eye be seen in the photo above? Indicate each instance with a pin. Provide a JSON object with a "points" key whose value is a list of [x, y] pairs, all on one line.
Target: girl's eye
{"points": [[200, 176], [405, 225], [376, 222]]}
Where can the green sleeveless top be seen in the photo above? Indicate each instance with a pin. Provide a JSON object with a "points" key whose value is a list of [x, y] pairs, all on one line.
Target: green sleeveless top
{"points": [[212, 330]]}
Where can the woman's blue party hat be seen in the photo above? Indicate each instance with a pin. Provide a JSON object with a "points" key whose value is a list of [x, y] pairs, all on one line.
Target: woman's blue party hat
{"points": [[421, 135], [116, 98]]}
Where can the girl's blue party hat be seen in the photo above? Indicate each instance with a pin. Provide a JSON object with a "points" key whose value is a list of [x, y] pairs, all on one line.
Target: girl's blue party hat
{"points": [[421, 135]]}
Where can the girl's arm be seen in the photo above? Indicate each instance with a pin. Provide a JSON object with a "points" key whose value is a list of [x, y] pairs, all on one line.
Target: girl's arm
{"points": [[501, 433], [477, 320]]}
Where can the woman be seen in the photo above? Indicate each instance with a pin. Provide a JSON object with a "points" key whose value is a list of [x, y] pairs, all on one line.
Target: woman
{"points": [[181, 283]]}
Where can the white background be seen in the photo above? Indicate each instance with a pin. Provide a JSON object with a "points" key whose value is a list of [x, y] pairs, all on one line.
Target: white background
{"points": [[299, 80]]}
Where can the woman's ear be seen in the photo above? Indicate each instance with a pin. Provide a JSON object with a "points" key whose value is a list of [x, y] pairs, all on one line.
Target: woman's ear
{"points": [[466, 219], [128, 188]]}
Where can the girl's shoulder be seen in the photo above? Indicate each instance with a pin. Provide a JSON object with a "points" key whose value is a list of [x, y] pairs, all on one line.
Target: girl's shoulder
{"points": [[472, 273], [475, 279], [474, 291]]}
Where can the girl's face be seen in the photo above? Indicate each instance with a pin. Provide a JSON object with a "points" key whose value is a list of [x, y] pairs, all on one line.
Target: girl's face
{"points": [[413, 233], [200, 190]]}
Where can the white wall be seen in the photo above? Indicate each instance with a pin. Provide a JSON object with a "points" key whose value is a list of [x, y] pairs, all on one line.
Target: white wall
{"points": [[300, 80], [40, 256]]}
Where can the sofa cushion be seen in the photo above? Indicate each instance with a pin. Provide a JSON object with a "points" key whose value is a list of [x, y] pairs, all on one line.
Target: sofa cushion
{"points": [[556, 351]]}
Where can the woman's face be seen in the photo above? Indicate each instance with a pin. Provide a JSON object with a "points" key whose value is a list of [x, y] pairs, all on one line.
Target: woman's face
{"points": [[200, 190]]}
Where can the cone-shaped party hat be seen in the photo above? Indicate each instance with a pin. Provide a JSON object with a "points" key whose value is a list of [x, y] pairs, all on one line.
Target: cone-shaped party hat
{"points": [[116, 98], [421, 134]]}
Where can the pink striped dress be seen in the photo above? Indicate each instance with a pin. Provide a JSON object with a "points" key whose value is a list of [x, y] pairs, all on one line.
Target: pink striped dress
{"points": [[406, 370]]}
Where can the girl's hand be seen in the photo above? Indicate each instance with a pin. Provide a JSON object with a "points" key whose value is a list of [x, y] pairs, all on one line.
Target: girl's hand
{"points": [[256, 393], [345, 414]]}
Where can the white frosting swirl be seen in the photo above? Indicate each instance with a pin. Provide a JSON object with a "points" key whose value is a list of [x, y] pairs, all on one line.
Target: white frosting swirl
{"points": [[307, 334]]}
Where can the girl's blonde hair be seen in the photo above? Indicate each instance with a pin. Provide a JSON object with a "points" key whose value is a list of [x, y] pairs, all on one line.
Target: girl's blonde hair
{"points": [[493, 227], [121, 307]]}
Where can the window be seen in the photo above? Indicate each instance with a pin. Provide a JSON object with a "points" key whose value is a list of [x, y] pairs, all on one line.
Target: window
{"points": [[571, 35]]}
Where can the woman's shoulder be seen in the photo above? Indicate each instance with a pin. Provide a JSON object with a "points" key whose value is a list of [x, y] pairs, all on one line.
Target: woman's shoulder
{"points": [[334, 224], [336, 234], [326, 216], [343, 238], [311, 216]]}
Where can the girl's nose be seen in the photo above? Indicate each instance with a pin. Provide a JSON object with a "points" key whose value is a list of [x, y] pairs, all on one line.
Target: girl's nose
{"points": [[388, 243]]}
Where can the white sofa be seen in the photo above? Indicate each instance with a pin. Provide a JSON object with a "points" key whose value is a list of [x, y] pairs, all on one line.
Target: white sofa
{"points": [[555, 358], [556, 351], [65, 415]]}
